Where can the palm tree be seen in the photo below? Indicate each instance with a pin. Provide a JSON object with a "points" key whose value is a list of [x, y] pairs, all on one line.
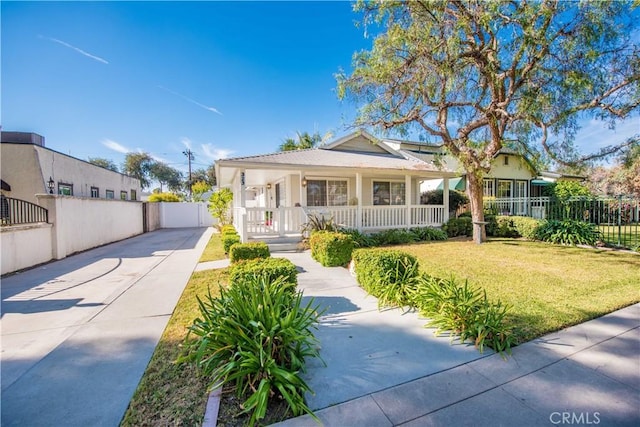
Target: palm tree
{"points": [[303, 141]]}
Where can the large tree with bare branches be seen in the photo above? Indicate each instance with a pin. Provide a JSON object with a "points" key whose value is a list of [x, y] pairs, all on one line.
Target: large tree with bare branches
{"points": [[481, 75]]}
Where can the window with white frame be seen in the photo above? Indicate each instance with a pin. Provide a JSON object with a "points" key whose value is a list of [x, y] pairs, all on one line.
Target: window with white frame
{"points": [[489, 188], [134, 195], [388, 193], [321, 192], [95, 192], [505, 188]]}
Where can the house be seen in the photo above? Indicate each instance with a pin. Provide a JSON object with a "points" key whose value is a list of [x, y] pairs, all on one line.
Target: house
{"points": [[30, 168], [360, 181]]}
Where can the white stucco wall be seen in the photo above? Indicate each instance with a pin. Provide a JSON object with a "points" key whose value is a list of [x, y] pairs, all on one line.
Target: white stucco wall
{"points": [[19, 168], [25, 246], [516, 169]]}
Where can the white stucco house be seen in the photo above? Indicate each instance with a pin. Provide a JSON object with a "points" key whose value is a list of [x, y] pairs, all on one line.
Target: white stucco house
{"points": [[30, 168]]}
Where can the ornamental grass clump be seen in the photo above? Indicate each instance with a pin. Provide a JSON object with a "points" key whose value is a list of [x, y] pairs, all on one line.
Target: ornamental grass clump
{"points": [[256, 335], [463, 312], [568, 232]]}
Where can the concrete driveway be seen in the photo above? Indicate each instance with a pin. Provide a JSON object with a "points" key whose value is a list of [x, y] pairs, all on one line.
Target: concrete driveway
{"points": [[77, 334]]}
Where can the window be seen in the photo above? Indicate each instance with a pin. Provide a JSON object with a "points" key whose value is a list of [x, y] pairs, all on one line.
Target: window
{"points": [[123, 195], [388, 193], [109, 194], [506, 160], [95, 192], [134, 195], [65, 189], [489, 188], [322, 192], [504, 188]]}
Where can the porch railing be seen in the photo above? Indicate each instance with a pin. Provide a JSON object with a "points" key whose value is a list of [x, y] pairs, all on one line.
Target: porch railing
{"points": [[274, 221], [16, 211]]}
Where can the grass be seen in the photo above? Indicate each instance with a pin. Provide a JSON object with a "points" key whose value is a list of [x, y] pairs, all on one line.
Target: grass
{"points": [[171, 394], [629, 235], [214, 250], [549, 287]]}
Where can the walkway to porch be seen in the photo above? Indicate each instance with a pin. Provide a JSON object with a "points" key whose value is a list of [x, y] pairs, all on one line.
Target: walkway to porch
{"points": [[255, 223]]}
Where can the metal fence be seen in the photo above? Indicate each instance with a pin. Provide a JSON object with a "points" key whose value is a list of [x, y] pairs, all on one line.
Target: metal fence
{"points": [[16, 211], [618, 219]]}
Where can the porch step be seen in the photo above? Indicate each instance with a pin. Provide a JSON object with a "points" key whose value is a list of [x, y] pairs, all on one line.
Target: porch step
{"points": [[280, 244]]}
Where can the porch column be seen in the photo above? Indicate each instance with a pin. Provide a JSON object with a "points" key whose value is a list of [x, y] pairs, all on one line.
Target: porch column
{"points": [[445, 199], [358, 223], [408, 199], [303, 198], [242, 221]]}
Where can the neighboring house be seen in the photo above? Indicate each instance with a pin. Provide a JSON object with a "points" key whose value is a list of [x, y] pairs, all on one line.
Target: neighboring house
{"points": [[358, 180], [30, 168]]}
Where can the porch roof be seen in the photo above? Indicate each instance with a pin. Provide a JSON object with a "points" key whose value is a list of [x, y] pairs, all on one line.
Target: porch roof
{"points": [[329, 159]]}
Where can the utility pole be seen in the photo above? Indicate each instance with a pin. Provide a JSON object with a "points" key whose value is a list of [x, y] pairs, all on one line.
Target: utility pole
{"points": [[190, 157]]}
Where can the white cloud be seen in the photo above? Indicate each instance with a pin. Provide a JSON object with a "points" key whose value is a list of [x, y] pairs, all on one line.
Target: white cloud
{"points": [[596, 134], [186, 142], [115, 146], [215, 153], [77, 49], [193, 101]]}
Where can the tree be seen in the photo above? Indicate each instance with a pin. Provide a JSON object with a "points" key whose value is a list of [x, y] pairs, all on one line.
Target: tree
{"points": [[220, 202], [623, 178], [207, 175], [103, 163], [198, 189], [165, 174], [138, 165], [478, 76], [303, 141]]}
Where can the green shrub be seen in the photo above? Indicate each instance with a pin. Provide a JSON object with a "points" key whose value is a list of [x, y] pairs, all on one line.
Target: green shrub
{"points": [[228, 229], [271, 268], [464, 312], [436, 197], [244, 251], [163, 197], [427, 234], [360, 239], [229, 240], [331, 249], [568, 232], [394, 237], [526, 226], [462, 226], [255, 335], [386, 274]]}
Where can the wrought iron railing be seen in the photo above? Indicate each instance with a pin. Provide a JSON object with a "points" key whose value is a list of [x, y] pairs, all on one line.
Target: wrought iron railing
{"points": [[16, 211]]}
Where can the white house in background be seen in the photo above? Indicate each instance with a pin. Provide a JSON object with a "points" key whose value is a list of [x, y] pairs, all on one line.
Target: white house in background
{"points": [[28, 166], [362, 182]]}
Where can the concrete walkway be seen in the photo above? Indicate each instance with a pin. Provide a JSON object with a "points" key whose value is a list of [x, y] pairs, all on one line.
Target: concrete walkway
{"points": [[77, 334], [386, 369]]}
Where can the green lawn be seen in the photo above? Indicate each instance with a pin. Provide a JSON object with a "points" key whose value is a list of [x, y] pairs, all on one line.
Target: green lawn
{"points": [[628, 235], [549, 287], [171, 394], [214, 250]]}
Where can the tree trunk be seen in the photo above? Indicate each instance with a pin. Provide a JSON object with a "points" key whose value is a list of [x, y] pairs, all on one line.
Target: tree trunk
{"points": [[475, 193]]}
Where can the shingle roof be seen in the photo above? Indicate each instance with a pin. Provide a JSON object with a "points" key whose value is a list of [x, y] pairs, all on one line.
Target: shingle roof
{"points": [[319, 157]]}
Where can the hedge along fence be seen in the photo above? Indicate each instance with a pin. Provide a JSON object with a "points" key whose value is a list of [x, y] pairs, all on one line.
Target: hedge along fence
{"points": [[331, 249], [271, 268], [393, 277], [244, 251]]}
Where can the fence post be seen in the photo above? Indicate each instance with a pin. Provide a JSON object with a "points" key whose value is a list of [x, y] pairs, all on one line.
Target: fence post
{"points": [[619, 219]]}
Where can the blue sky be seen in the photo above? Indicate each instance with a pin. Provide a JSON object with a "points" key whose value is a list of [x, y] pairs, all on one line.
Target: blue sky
{"points": [[222, 78]]}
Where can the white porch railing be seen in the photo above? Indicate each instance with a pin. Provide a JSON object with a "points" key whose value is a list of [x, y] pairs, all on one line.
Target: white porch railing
{"points": [[274, 221], [526, 206]]}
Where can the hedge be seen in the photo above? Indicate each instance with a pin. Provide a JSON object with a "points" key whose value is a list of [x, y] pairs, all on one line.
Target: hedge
{"points": [[331, 249], [272, 268], [244, 251], [385, 274], [229, 240]]}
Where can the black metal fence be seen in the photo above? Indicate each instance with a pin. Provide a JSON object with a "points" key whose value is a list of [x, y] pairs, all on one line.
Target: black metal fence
{"points": [[618, 219], [16, 211]]}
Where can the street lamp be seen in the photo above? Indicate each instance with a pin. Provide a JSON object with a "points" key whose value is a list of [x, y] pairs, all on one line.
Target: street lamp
{"points": [[50, 183]]}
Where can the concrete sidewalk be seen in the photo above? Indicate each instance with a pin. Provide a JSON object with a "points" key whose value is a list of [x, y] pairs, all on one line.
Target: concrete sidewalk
{"points": [[77, 334], [386, 369]]}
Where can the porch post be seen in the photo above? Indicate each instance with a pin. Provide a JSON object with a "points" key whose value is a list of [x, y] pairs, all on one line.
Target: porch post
{"points": [[408, 199], [242, 211], [445, 199], [358, 223], [303, 199]]}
